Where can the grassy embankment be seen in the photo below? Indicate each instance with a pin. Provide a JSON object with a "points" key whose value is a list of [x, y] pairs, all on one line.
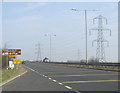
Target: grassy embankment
{"points": [[109, 68], [8, 74]]}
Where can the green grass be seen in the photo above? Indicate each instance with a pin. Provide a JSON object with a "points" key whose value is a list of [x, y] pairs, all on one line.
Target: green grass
{"points": [[10, 73], [91, 67], [0, 75], [6, 74]]}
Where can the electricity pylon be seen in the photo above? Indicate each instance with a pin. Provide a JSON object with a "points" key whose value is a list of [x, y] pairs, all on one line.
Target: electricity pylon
{"points": [[100, 51], [39, 58]]}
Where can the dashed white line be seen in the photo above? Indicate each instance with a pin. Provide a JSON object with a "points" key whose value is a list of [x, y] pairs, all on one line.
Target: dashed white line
{"points": [[54, 80], [77, 91], [68, 87], [32, 69], [60, 83]]}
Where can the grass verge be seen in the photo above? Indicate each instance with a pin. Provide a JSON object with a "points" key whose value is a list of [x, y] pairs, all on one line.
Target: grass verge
{"points": [[10, 73], [0, 75], [107, 68]]}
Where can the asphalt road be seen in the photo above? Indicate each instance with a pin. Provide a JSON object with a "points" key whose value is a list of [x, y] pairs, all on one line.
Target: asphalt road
{"points": [[48, 77]]}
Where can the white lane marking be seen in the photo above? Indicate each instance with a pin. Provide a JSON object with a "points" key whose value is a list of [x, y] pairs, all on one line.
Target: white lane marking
{"points": [[49, 78], [60, 83], [68, 87], [30, 68], [54, 80], [12, 79], [46, 76], [77, 91]]}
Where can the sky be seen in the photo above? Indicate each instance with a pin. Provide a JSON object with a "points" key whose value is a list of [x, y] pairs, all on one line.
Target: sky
{"points": [[25, 24]]}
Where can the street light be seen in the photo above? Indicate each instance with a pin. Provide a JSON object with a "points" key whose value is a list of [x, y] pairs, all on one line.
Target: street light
{"points": [[50, 45], [85, 11]]}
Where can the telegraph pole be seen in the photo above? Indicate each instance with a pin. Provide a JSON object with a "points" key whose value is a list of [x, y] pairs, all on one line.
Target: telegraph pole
{"points": [[50, 46], [86, 40]]}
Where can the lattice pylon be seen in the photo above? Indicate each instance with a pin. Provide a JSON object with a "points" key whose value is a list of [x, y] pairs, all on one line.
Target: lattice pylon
{"points": [[100, 51]]}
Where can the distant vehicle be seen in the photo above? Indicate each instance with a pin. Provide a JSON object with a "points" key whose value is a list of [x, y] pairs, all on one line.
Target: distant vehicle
{"points": [[45, 59], [23, 62]]}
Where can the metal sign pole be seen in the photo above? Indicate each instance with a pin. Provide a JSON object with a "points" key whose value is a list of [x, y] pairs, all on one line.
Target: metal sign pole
{"points": [[7, 61]]}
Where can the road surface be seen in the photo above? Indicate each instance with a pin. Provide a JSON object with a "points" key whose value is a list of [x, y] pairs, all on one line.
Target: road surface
{"points": [[48, 77]]}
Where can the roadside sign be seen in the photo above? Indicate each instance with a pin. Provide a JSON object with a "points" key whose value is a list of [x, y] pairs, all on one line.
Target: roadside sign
{"points": [[16, 61], [12, 55], [11, 51], [11, 65]]}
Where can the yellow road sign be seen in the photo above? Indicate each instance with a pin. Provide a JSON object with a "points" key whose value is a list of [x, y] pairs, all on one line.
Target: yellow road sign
{"points": [[12, 55], [16, 61]]}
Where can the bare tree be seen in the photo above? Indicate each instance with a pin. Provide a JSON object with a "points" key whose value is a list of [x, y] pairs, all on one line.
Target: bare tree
{"points": [[93, 60]]}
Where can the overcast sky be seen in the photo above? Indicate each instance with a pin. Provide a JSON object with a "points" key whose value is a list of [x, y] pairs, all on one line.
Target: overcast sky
{"points": [[26, 23]]}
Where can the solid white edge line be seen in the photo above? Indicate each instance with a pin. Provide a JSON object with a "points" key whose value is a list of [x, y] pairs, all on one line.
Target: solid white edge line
{"points": [[13, 78]]}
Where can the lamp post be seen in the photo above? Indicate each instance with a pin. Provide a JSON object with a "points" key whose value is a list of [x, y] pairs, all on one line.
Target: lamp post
{"points": [[85, 14], [50, 45]]}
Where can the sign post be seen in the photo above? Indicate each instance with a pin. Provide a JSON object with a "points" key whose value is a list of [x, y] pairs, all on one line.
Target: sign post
{"points": [[16, 61], [11, 65], [11, 54], [11, 51]]}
